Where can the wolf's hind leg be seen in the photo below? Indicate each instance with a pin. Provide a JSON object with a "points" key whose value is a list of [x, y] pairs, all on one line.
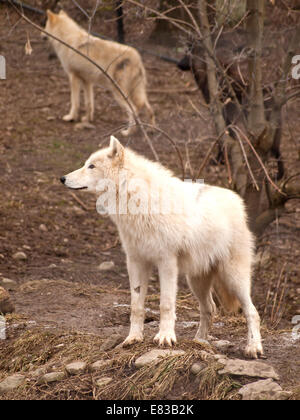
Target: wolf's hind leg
{"points": [[201, 287], [238, 280]]}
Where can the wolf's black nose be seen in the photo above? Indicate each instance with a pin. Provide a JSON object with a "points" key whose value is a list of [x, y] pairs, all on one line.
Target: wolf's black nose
{"points": [[63, 179]]}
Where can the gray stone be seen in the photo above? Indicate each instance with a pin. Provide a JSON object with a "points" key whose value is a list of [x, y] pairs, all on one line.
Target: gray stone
{"points": [[51, 377], [263, 390], [76, 368], [8, 283], [201, 341], [99, 365], [252, 369], [20, 256], [103, 381], [37, 372], [106, 266], [205, 355], [221, 358], [197, 368], [222, 345], [85, 125], [43, 228], [11, 383], [6, 305], [155, 356], [111, 342]]}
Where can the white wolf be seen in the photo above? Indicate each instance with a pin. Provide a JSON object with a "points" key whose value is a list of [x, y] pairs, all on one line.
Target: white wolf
{"points": [[207, 239], [122, 63]]}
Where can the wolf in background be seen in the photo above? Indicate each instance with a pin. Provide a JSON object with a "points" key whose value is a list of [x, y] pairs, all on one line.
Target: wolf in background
{"points": [[121, 62]]}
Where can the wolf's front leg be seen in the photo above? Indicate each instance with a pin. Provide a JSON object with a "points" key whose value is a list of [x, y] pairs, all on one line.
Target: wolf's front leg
{"points": [[139, 273], [168, 273], [89, 102], [75, 85]]}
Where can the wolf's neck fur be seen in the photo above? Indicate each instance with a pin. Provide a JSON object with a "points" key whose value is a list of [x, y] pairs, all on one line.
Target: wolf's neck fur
{"points": [[144, 168], [66, 32], [146, 187]]}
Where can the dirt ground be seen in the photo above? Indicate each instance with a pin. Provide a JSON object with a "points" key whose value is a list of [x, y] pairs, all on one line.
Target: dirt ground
{"points": [[59, 288]]}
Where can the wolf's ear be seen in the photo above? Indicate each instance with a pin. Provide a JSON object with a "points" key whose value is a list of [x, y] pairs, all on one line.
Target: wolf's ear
{"points": [[51, 16], [62, 12], [116, 148]]}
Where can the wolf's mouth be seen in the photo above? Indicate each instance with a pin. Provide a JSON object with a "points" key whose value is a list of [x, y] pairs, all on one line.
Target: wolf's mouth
{"points": [[79, 188]]}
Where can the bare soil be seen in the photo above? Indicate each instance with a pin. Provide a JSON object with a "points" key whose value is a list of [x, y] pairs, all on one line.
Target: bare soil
{"points": [[59, 289]]}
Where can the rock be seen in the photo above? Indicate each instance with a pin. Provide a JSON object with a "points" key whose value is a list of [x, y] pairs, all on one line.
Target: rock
{"points": [[99, 365], [20, 256], [111, 342], [8, 283], [263, 390], [221, 358], [85, 125], [76, 368], [6, 305], [197, 368], [222, 345], [252, 369], [37, 372], [222, 361], [106, 266], [51, 377], [206, 356], [155, 356], [43, 228], [11, 383], [103, 381], [201, 341]]}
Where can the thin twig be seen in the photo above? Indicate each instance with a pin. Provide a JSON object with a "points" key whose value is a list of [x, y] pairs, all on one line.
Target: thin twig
{"points": [[159, 130], [259, 160], [229, 172], [207, 157], [246, 158], [80, 202]]}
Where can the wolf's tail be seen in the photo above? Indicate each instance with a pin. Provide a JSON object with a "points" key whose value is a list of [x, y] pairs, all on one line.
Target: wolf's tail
{"points": [[227, 300]]}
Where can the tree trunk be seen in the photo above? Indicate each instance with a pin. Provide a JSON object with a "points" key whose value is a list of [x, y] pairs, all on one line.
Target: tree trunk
{"points": [[230, 12]]}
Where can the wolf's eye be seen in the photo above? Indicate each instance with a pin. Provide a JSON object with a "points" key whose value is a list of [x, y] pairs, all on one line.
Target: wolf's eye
{"points": [[92, 166]]}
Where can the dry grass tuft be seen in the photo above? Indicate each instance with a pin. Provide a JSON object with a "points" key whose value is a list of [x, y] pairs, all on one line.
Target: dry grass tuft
{"points": [[161, 380]]}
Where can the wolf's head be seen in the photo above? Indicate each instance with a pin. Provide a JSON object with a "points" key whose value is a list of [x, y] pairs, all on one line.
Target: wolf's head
{"points": [[55, 22], [104, 164]]}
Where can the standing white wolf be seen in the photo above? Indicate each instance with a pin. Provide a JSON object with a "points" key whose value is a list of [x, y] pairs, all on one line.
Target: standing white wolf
{"points": [[121, 62], [180, 228]]}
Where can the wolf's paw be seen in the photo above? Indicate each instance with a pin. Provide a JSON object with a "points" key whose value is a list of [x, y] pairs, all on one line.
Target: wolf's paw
{"points": [[254, 351], [132, 339], [165, 339], [86, 119], [69, 117]]}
